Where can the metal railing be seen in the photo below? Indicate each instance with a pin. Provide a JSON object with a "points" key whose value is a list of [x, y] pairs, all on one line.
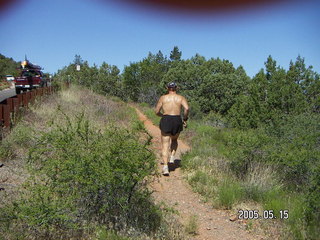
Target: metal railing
{"points": [[10, 107]]}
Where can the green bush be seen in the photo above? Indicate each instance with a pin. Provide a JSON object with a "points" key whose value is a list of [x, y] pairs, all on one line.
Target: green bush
{"points": [[243, 148], [294, 147], [195, 110], [80, 175], [313, 204]]}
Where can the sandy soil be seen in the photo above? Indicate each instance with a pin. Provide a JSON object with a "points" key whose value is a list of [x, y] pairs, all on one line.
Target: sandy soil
{"points": [[176, 192]]}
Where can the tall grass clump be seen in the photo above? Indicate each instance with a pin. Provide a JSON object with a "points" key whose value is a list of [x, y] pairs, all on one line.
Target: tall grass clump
{"points": [[192, 226], [229, 193]]}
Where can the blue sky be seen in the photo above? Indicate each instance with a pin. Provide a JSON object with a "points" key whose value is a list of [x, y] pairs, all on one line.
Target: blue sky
{"points": [[51, 32]]}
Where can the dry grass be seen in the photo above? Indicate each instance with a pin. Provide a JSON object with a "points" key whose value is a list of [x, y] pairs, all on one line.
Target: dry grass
{"points": [[192, 226], [96, 108], [262, 177]]}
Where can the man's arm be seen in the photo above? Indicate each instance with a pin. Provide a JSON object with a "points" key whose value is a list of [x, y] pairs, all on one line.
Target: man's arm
{"points": [[158, 108], [186, 109]]}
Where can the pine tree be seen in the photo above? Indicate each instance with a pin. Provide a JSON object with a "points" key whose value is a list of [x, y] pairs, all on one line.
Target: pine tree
{"points": [[175, 54]]}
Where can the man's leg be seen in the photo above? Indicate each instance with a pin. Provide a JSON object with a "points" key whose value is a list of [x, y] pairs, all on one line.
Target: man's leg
{"points": [[165, 140], [173, 147]]}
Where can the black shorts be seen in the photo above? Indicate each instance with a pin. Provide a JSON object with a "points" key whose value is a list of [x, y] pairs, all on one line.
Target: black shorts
{"points": [[171, 124]]}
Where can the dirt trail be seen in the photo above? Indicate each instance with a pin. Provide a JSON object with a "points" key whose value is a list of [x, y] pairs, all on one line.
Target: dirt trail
{"points": [[175, 191]]}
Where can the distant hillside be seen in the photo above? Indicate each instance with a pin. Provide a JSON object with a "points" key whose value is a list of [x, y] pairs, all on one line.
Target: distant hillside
{"points": [[8, 66]]}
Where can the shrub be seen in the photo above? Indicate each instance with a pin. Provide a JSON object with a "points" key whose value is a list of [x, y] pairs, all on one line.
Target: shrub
{"points": [[313, 204], [80, 175]]}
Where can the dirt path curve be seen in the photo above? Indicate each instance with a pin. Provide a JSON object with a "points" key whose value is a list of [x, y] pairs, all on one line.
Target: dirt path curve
{"points": [[213, 224]]}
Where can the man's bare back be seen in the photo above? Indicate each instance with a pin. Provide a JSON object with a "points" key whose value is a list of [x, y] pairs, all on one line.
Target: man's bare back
{"points": [[171, 104]]}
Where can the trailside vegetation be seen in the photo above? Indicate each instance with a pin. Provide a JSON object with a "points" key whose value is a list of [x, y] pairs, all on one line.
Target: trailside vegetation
{"points": [[85, 160], [263, 132]]}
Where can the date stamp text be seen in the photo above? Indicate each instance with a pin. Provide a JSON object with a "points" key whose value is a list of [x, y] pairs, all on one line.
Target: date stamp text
{"points": [[265, 214]]}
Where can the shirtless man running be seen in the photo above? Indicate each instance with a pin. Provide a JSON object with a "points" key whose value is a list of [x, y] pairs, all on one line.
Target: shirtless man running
{"points": [[171, 123]]}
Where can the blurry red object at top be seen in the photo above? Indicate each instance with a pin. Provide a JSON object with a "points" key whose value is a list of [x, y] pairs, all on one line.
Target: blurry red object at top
{"points": [[183, 5], [202, 5]]}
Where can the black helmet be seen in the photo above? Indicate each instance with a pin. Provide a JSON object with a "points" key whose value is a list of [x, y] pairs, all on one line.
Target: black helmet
{"points": [[172, 85]]}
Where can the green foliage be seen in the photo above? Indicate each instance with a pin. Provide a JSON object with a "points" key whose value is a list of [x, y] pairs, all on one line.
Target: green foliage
{"points": [[275, 200], [87, 177], [271, 153], [21, 136], [103, 234], [313, 205], [295, 205], [104, 80], [175, 54], [295, 147], [229, 193], [142, 79], [150, 113], [188, 74], [275, 94], [275, 165], [244, 148], [195, 108], [203, 183], [274, 145], [211, 85], [8, 67], [82, 175], [4, 84]]}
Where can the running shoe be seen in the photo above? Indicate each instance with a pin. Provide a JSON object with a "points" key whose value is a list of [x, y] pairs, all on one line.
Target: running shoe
{"points": [[165, 170], [171, 159]]}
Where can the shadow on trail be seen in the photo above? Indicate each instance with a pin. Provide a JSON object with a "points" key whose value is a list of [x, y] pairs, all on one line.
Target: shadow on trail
{"points": [[175, 165]]}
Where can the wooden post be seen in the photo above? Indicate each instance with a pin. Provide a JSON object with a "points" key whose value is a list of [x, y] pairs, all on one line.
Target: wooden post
{"points": [[10, 104], [29, 96], [32, 96], [16, 104], [25, 100], [1, 114], [6, 115], [19, 97], [1, 122]]}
